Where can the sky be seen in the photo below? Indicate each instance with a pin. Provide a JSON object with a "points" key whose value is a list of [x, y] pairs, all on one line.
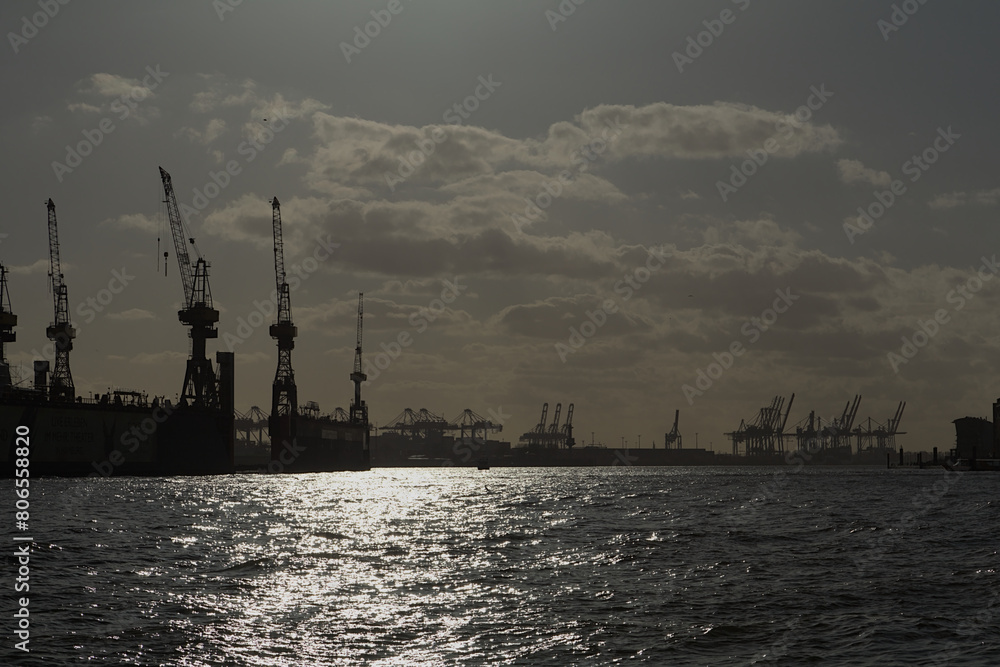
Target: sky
{"points": [[635, 207]]}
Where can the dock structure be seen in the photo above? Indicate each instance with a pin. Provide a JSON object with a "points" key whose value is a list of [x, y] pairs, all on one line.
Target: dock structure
{"points": [[550, 436], [765, 433]]}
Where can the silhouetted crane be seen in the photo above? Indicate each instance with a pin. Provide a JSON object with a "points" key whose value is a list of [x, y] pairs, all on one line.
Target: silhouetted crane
{"points": [[567, 429], [284, 395], [61, 331], [359, 411], [8, 320], [674, 436], [200, 385]]}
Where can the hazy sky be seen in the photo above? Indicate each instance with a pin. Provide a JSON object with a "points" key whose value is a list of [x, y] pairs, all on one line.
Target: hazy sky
{"points": [[587, 181]]}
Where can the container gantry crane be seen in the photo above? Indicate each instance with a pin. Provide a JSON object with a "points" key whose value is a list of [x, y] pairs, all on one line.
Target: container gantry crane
{"points": [[200, 384], [284, 395], [673, 440], [61, 331], [567, 429], [554, 426], [359, 410], [536, 435]]}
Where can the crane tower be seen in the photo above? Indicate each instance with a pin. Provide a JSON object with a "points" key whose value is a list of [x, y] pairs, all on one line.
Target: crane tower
{"points": [[284, 395], [8, 320], [359, 411], [61, 331], [200, 385]]}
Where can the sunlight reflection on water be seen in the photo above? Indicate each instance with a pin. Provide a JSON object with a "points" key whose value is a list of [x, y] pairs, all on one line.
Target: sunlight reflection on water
{"points": [[510, 566]]}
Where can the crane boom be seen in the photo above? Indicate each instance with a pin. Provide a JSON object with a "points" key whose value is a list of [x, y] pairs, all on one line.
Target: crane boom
{"points": [[357, 348], [61, 332], [55, 268], [569, 418], [554, 427], [784, 422], [180, 238], [894, 422], [284, 298]]}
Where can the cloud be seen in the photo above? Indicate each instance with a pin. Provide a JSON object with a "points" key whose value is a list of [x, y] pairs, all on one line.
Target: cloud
{"points": [[362, 152], [956, 199], [133, 221], [132, 314], [214, 129], [259, 106], [39, 266], [552, 318], [248, 218], [853, 171], [83, 107], [39, 123], [752, 233], [113, 85], [712, 131], [115, 95], [222, 93]]}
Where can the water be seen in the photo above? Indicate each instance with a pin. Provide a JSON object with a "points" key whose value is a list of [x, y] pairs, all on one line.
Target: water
{"points": [[588, 566]]}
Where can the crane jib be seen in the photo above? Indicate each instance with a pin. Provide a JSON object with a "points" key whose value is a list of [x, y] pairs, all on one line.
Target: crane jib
{"points": [[187, 269]]}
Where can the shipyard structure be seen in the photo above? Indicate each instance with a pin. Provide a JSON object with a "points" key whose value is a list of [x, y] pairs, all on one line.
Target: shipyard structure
{"points": [[128, 432], [302, 440], [121, 432]]}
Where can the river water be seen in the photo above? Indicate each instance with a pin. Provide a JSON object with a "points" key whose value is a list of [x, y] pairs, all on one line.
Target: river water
{"points": [[542, 566]]}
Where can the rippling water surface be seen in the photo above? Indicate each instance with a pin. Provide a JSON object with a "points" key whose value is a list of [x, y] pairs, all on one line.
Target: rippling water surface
{"points": [[661, 566]]}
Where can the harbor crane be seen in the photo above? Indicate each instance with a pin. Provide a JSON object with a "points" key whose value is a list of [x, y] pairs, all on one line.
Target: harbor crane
{"points": [[8, 320], [673, 438], [536, 435], [61, 331], [284, 395], [540, 427], [473, 425], [359, 410], [551, 436], [765, 434], [567, 429], [200, 385], [419, 424], [554, 426], [888, 441]]}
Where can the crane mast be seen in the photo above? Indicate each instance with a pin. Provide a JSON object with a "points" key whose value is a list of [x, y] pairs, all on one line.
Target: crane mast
{"points": [[359, 411], [200, 384], [284, 395], [61, 331], [8, 320]]}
